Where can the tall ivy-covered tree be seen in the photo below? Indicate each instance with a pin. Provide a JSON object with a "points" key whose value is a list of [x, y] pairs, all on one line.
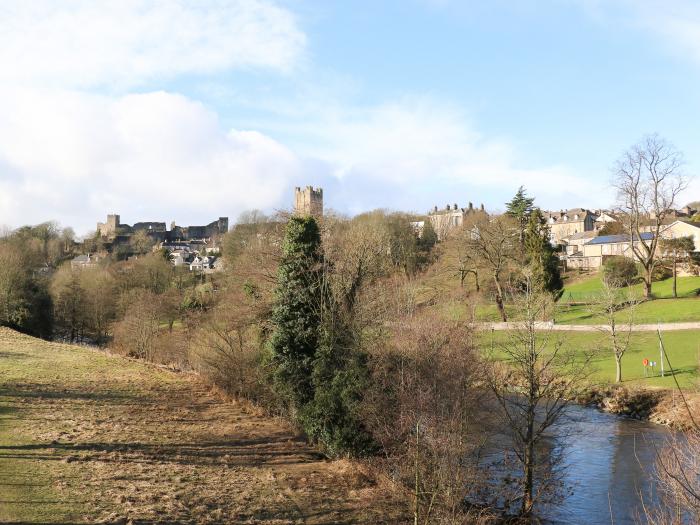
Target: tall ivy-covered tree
{"points": [[297, 314], [540, 259], [519, 208]]}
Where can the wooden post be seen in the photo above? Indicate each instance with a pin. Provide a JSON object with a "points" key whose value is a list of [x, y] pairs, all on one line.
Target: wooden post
{"points": [[661, 349]]}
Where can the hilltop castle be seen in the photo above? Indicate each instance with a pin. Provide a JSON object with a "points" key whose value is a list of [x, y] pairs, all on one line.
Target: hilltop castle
{"points": [[308, 201], [113, 229]]}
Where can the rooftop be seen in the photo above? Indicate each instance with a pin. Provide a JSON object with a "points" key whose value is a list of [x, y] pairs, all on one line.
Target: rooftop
{"points": [[613, 239]]}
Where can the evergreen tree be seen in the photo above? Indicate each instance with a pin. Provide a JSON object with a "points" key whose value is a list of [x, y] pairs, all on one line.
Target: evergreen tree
{"points": [[520, 207], [340, 377], [539, 255], [297, 312]]}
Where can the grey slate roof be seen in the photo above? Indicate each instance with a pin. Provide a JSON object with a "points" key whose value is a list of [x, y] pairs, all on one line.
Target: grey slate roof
{"points": [[612, 239]]}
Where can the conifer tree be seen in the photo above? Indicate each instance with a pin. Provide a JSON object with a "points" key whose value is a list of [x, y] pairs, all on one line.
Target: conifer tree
{"points": [[540, 257], [297, 312], [520, 207]]}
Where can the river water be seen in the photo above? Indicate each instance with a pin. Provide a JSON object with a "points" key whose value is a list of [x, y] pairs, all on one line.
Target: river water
{"points": [[610, 459]]}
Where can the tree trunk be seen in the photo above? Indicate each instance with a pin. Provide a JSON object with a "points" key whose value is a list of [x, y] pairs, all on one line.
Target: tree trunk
{"points": [[618, 368], [499, 299], [675, 293], [528, 468], [647, 283]]}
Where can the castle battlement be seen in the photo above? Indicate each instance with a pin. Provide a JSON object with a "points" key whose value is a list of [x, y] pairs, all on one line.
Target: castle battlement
{"points": [[308, 201]]}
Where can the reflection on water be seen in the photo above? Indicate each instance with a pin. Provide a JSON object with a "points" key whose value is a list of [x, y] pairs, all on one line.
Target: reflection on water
{"points": [[609, 459]]}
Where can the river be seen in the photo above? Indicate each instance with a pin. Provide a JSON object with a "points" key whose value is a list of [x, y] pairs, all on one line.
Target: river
{"points": [[609, 460]]}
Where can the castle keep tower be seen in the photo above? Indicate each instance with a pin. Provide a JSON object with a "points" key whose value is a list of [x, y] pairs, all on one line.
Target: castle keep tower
{"points": [[109, 228], [308, 201]]}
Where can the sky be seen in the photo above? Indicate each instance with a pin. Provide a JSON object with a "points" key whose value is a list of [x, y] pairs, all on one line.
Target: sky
{"points": [[186, 111]]}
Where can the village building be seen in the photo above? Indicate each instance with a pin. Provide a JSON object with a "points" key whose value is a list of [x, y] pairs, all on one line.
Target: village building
{"points": [[683, 229], [602, 218], [564, 223], [594, 252], [573, 244], [450, 218], [84, 261]]}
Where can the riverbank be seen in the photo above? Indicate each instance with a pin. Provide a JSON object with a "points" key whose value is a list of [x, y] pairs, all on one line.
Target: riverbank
{"points": [[671, 408], [90, 437]]}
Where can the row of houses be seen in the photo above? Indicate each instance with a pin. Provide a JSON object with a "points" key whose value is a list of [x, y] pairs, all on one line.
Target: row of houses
{"points": [[586, 250]]}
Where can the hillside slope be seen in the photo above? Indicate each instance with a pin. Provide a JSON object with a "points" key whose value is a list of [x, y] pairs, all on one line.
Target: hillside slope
{"points": [[87, 437]]}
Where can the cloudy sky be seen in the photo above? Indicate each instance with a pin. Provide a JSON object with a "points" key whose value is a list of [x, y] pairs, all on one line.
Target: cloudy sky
{"points": [[186, 111]]}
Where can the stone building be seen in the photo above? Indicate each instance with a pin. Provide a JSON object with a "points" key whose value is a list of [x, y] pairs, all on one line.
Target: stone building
{"points": [[565, 223], [443, 221], [308, 201], [109, 228], [117, 233]]}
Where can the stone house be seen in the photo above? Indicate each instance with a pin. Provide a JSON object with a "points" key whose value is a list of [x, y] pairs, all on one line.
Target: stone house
{"points": [[683, 229], [597, 250], [84, 261], [564, 223], [450, 218], [573, 244]]}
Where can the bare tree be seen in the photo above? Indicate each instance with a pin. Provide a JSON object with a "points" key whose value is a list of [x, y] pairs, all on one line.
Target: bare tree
{"points": [[610, 302], [648, 179], [491, 244], [531, 378], [425, 412]]}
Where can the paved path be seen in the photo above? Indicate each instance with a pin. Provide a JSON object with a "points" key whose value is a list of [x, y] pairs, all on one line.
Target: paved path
{"points": [[549, 325]]}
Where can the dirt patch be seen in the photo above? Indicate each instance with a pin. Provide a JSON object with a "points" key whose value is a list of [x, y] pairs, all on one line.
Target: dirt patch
{"points": [[111, 440]]}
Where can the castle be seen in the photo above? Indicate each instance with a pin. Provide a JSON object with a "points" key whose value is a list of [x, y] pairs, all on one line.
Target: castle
{"points": [[113, 230], [308, 201]]}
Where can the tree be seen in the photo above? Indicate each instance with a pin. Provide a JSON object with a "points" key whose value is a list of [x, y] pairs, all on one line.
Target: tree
{"points": [[424, 409], [608, 304], [296, 315], [618, 271], [677, 250], [648, 180], [137, 333], [531, 377], [69, 303], [141, 243], [612, 228], [490, 244], [519, 208], [540, 259]]}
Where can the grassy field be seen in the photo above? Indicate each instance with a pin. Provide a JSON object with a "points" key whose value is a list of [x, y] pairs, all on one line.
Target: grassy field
{"points": [[682, 348], [586, 289], [86, 437], [663, 309]]}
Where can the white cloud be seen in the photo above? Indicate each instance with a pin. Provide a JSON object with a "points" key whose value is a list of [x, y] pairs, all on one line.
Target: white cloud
{"points": [[674, 23], [422, 151], [155, 156], [85, 43]]}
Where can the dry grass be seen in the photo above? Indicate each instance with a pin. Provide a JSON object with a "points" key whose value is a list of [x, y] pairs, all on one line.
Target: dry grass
{"points": [[88, 437]]}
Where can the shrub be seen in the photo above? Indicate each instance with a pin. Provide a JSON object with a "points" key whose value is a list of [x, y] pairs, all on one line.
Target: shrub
{"points": [[619, 270]]}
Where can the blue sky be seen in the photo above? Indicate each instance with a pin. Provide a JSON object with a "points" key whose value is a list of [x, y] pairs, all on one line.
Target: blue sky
{"points": [[181, 111]]}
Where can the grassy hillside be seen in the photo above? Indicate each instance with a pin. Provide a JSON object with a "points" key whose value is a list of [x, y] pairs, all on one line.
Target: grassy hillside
{"points": [[86, 437], [585, 289], [663, 309]]}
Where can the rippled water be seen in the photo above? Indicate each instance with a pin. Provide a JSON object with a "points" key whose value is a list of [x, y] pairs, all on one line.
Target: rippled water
{"points": [[609, 460]]}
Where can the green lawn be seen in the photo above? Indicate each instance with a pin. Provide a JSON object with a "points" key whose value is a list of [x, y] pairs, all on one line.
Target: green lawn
{"points": [[585, 290], [663, 309], [681, 346]]}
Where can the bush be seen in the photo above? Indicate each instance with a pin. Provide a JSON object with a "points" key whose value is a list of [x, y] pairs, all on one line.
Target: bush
{"points": [[661, 273], [619, 271]]}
